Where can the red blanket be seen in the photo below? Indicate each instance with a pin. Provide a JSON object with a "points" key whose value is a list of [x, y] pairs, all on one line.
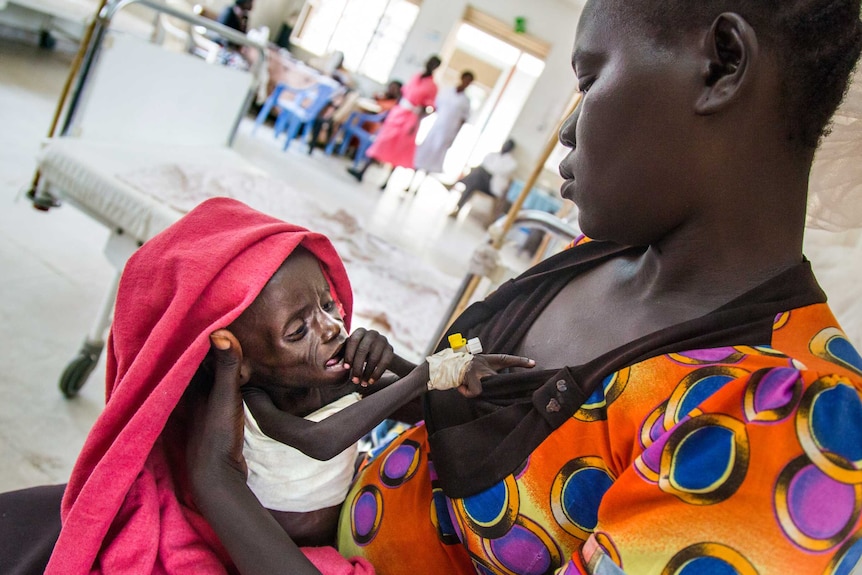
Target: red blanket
{"points": [[125, 510]]}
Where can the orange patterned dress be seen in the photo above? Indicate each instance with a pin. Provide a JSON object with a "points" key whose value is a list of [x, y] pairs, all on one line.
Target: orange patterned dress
{"points": [[731, 444]]}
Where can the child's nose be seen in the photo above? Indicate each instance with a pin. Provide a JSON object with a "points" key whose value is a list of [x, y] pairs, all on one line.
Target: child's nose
{"points": [[330, 326]]}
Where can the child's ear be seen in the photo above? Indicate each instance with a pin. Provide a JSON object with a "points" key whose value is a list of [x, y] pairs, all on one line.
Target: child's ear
{"points": [[731, 53]]}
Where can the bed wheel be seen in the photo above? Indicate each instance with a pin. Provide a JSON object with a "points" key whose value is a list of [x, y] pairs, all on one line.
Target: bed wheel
{"points": [[47, 40], [76, 373]]}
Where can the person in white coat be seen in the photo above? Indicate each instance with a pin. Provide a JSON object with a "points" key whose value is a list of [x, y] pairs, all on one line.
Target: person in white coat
{"points": [[453, 109]]}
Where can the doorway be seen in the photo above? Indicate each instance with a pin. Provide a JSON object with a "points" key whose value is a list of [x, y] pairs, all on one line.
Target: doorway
{"points": [[506, 67]]}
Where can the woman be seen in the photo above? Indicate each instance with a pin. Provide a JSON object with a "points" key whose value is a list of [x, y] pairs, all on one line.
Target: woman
{"points": [[695, 407], [395, 143]]}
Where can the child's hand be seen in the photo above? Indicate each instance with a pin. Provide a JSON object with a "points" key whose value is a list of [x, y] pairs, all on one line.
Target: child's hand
{"points": [[367, 354], [483, 365]]}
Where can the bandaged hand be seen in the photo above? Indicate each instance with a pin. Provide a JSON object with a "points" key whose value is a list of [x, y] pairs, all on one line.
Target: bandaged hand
{"points": [[463, 371]]}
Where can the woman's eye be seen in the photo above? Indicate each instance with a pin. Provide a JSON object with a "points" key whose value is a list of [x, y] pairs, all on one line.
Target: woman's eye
{"points": [[585, 85], [328, 306]]}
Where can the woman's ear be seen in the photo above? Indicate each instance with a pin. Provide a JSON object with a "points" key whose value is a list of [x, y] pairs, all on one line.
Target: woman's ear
{"points": [[245, 371], [731, 54]]}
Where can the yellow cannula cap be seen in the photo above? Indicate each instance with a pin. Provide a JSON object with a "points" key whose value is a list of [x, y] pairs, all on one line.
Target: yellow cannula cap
{"points": [[457, 340]]}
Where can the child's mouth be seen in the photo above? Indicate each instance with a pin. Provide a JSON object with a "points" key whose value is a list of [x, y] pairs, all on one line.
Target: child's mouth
{"points": [[337, 359]]}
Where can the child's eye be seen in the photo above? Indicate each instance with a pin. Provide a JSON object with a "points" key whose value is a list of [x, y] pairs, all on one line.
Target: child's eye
{"points": [[329, 306], [298, 333]]}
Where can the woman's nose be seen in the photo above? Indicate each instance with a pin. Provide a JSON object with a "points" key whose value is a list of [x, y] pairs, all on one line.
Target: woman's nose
{"points": [[568, 129]]}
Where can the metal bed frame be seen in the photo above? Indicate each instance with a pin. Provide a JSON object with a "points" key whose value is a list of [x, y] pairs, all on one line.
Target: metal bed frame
{"points": [[120, 246]]}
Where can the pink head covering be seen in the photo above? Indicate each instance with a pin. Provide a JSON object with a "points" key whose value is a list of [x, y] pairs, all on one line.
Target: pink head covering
{"points": [[122, 511]]}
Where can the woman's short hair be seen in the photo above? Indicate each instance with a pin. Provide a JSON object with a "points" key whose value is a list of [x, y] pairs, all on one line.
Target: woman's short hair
{"points": [[817, 43]]}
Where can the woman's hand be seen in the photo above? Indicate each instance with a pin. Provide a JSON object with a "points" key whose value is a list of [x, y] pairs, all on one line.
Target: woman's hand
{"points": [[217, 471], [483, 365], [369, 354], [215, 436]]}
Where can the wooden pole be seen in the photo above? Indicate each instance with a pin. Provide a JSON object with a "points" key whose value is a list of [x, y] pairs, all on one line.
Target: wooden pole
{"points": [[516, 206], [64, 94], [537, 170]]}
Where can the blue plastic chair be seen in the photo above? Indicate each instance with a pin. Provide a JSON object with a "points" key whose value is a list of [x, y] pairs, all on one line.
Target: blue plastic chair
{"points": [[352, 128], [268, 105], [300, 113]]}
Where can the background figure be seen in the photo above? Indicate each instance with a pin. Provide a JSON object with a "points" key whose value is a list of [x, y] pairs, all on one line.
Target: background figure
{"points": [[236, 16], [395, 143], [453, 109], [491, 177]]}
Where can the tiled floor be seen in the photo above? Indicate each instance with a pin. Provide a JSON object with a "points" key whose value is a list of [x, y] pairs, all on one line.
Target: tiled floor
{"points": [[53, 273]]}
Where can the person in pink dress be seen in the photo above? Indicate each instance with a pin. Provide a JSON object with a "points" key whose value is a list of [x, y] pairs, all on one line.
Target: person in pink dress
{"points": [[395, 143]]}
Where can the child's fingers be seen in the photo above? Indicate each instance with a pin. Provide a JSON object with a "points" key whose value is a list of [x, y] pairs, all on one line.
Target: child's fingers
{"points": [[498, 361], [361, 355], [380, 363], [352, 344]]}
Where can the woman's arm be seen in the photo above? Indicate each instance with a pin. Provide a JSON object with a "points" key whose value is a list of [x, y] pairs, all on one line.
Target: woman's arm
{"points": [[252, 537]]}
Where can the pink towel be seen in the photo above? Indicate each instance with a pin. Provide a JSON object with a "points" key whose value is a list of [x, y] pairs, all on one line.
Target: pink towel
{"points": [[125, 509]]}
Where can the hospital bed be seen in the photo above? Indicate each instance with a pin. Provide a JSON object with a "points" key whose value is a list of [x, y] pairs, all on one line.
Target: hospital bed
{"points": [[68, 18], [135, 104]]}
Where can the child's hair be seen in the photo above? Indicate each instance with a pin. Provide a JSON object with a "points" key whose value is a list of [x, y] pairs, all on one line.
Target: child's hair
{"points": [[817, 43]]}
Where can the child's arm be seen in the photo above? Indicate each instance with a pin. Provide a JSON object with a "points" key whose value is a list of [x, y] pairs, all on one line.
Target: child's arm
{"points": [[325, 439]]}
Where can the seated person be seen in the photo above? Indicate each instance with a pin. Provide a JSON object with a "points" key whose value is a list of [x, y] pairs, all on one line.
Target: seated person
{"points": [[274, 302], [235, 16], [695, 407], [385, 101], [491, 177]]}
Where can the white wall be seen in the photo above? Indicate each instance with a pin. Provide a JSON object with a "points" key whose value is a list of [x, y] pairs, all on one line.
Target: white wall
{"points": [[553, 21]]}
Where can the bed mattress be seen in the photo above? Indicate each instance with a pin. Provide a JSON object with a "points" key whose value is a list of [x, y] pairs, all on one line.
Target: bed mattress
{"points": [[142, 189], [89, 175]]}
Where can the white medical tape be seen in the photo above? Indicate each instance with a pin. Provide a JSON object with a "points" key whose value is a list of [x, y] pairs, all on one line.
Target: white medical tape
{"points": [[446, 369]]}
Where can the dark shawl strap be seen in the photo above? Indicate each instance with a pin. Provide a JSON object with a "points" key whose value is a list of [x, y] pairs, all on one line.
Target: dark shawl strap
{"points": [[476, 443]]}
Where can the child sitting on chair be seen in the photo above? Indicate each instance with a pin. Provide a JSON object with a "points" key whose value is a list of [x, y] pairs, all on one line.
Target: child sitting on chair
{"points": [[227, 298]]}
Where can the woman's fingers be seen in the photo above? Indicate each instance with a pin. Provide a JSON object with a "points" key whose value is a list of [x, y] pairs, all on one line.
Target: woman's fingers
{"points": [[224, 416]]}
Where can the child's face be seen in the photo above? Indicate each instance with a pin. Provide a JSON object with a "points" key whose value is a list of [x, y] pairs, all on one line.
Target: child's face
{"points": [[633, 166], [293, 335]]}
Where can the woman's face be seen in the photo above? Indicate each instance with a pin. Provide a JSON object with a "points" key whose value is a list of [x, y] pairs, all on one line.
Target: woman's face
{"points": [[293, 334], [631, 166]]}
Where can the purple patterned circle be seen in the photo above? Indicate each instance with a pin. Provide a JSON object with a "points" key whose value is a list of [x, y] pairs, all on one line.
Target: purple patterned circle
{"points": [[819, 506], [522, 551], [711, 355], [398, 462], [775, 390], [365, 513]]}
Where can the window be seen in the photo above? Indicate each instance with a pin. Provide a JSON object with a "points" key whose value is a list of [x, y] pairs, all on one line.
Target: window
{"points": [[370, 33]]}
